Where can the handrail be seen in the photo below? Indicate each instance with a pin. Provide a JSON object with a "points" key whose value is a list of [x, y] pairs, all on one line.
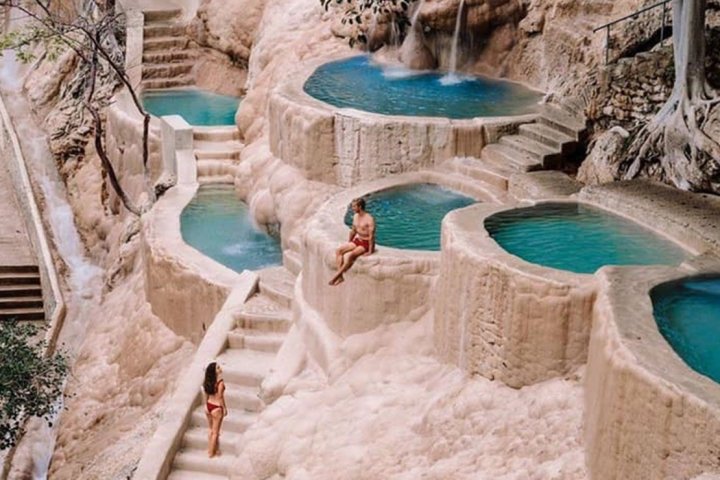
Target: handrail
{"points": [[633, 15]]}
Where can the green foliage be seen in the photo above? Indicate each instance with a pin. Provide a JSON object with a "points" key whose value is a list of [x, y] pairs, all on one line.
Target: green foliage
{"points": [[25, 41], [356, 11], [30, 383]]}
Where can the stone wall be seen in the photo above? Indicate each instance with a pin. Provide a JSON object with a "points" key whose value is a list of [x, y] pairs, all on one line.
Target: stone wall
{"points": [[647, 415], [631, 91], [502, 317], [347, 146]]}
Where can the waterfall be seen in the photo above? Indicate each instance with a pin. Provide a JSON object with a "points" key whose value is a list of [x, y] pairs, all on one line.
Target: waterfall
{"points": [[456, 35], [416, 13], [84, 278]]}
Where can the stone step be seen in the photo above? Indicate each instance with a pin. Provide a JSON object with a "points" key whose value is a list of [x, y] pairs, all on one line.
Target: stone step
{"points": [[239, 398], [31, 313], [164, 43], [190, 475], [245, 368], [197, 438], [161, 83], [481, 171], [21, 302], [196, 460], [548, 135], [561, 120], [155, 30], [19, 269], [236, 422], [166, 70], [224, 150], [278, 284], [19, 278], [216, 134], [530, 147], [166, 56], [507, 158], [161, 15], [292, 261], [20, 291], [254, 340]]}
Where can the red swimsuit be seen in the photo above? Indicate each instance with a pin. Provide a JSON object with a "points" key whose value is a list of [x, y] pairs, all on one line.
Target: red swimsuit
{"points": [[361, 242], [211, 406]]}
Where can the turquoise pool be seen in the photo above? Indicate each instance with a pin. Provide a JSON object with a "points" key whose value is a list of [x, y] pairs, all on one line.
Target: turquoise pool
{"points": [[359, 83], [197, 107], [410, 216], [579, 238], [687, 312], [219, 225]]}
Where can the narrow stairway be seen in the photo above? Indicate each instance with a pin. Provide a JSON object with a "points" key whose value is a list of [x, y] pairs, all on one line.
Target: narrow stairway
{"points": [[20, 293], [541, 145], [260, 329], [217, 151], [167, 61]]}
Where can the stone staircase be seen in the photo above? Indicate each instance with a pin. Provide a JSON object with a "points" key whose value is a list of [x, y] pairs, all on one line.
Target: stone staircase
{"points": [[20, 293], [167, 61], [260, 329], [540, 145], [217, 151]]}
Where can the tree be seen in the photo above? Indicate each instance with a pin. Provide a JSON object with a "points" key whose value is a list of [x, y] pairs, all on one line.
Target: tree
{"points": [[30, 383], [365, 15], [676, 138], [92, 34]]}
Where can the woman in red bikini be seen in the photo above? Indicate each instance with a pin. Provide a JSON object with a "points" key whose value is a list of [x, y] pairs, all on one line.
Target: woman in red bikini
{"points": [[360, 242], [215, 409]]}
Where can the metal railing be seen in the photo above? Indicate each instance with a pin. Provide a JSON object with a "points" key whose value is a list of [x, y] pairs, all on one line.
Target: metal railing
{"points": [[634, 16]]}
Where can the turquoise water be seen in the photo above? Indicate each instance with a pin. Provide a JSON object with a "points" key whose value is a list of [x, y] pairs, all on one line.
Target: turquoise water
{"points": [[218, 224], [688, 315], [410, 216], [579, 238], [359, 83], [197, 107]]}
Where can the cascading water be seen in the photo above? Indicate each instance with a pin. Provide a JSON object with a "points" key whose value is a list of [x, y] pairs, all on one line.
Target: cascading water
{"points": [[84, 279], [416, 13], [452, 77]]}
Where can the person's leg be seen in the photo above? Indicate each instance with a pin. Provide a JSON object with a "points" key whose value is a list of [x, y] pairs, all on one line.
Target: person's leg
{"points": [[348, 261], [341, 251], [219, 431], [210, 429], [215, 431]]}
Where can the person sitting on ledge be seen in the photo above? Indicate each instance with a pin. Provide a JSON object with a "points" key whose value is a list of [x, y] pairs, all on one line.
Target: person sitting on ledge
{"points": [[360, 242]]}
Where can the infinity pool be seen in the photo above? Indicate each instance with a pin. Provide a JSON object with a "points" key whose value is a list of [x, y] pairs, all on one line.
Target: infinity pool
{"points": [[687, 312], [218, 224], [197, 107], [579, 238], [358, 82], [410, 216]]}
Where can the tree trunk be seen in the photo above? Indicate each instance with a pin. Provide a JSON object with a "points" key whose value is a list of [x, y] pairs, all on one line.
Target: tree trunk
{"points": [[675, 138]]}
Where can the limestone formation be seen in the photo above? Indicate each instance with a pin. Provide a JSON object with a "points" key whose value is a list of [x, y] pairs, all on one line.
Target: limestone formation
{"points": [[604, 163]]}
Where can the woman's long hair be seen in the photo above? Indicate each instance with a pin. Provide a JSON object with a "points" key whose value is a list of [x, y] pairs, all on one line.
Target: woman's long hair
{"points": [[210, 383]]}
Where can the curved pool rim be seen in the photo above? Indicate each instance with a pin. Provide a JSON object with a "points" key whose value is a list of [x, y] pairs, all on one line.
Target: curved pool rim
{"points": [[294, 87], [530, 266], [628, 344], [658, 293], [312, 67]]}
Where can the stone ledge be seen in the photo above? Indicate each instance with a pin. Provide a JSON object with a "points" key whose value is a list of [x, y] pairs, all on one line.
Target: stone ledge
{"points": [[345, 146], [647, 414]]}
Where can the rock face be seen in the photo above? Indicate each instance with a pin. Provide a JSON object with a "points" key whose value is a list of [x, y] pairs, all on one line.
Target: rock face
{"points": [[605, 160], [229, 27]]}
